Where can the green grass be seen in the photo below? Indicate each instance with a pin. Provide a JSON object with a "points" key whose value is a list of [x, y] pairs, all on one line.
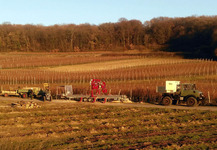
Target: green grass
{"points": [[85, 125]]}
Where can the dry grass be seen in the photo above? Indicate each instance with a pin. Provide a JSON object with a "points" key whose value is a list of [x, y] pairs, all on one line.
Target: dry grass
{"points": [[117, 64]]}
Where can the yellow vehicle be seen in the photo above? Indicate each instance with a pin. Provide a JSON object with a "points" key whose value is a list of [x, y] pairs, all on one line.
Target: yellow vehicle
{"points": [[7, 93], [36, 92], [29, 92]]}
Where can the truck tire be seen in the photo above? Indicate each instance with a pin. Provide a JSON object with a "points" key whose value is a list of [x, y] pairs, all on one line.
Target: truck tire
{"points": [[51, 98], [44, 98], [191, 101], [166, 101], [24, 95]]}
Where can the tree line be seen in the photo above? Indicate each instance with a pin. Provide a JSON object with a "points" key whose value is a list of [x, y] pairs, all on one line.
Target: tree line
{"points": [[197, 35]]}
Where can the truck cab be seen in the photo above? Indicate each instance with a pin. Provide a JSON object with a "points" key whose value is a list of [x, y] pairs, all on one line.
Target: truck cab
{"points": [[188, 89], [190, 94]]}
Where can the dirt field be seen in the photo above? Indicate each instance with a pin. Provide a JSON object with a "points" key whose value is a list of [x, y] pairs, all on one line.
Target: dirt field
{"points": [[70, 125], [142, 105]]}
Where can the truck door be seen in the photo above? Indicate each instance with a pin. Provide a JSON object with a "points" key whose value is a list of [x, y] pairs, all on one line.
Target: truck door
{"points": [[184, 90]]}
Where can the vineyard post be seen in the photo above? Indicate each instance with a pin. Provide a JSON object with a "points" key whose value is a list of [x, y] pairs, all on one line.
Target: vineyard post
{"points": [[209, 97], [61, 78], [32, 80], [9, 80], [131, 93], [80, 80], [84, 79], [119, 93]]}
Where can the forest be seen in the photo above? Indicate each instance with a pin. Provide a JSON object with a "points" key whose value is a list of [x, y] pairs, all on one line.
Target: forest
{"points": [[191, 36]]}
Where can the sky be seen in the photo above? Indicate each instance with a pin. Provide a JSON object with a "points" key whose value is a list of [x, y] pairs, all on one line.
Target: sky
{"points": [[51, 12]]}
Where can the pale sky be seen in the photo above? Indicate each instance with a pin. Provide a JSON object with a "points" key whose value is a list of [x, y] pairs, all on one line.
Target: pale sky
{"points": [[50, 12]]}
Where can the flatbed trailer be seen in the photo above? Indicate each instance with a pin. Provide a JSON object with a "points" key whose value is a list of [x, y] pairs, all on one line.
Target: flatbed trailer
{"points": [[102, 98], [6, 93], [98, 92]]}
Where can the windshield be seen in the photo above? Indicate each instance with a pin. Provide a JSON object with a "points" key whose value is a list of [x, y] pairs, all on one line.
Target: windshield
{"points": [[189, 86]]}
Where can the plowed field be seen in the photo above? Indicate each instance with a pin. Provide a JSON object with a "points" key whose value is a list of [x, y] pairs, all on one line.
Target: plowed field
{"points": [[57, 125]]}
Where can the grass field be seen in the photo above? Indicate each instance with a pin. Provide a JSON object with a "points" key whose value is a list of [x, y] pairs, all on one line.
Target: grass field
{"points": [[91, 126]]}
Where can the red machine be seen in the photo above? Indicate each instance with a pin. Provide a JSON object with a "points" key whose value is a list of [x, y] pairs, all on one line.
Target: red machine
{"points": [[98, 87]]}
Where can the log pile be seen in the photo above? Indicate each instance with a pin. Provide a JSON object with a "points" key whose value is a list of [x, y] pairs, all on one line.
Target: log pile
{"points": [[25, 105]]}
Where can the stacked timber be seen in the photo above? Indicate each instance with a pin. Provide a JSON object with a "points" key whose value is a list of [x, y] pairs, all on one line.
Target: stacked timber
{"points": [[25, 105]]}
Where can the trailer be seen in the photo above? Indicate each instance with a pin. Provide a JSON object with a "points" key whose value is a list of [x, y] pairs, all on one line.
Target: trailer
{"points": [[98, 93], [7, 93]]}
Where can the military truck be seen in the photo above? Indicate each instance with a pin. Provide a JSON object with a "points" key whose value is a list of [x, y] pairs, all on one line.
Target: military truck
{"points": [[36, 92], [28, 92], [176, 93]]}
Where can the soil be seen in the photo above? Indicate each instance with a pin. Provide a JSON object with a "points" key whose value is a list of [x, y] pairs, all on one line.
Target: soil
{"points": [[144, 105]]}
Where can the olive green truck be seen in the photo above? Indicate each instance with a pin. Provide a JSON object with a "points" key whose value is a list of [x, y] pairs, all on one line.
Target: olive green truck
{"points": [[176, 93]]}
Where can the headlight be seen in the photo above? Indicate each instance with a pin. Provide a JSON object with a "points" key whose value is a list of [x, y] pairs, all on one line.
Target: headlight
{"points": [[201, 95]]}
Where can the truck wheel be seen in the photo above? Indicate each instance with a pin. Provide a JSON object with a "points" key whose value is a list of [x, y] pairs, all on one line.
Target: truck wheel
{"points": [[24, 95], [191, 101], [166, 101], [44, 98]]}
